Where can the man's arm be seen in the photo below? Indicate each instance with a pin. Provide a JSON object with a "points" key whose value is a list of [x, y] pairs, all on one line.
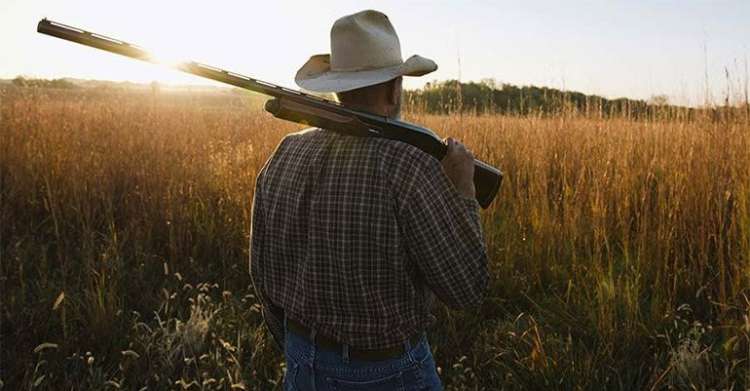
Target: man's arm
{"points": [[443, 233], [272, 315]]}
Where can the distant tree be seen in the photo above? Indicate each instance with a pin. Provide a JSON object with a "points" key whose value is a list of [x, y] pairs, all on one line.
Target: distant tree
{"points": [[489, 82], [659, 100], [59, 83], [21, 81]]}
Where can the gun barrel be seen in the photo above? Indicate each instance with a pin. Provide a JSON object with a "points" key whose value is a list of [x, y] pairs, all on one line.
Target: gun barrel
{"points": [[123, 48], [73, 34]]}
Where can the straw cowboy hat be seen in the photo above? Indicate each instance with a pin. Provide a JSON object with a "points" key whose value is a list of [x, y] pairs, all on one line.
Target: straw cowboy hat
{"points": [[364, 51]]}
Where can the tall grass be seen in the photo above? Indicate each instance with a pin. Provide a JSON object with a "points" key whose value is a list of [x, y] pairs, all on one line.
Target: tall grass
{"points": [[619, 248]]}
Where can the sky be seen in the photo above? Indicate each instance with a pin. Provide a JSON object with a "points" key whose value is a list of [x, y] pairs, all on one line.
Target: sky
{"points": [[635, 48]]}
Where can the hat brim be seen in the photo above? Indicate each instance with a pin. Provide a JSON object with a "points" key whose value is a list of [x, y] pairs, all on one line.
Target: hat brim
{"points": [[316, 75]]}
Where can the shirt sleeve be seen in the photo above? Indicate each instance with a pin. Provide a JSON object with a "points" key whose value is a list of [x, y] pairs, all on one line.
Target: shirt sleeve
{"points": [[444, 236], [273, 316]]}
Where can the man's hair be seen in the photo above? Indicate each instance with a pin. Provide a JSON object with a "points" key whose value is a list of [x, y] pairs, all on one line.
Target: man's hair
{"points": [[365, 96]]}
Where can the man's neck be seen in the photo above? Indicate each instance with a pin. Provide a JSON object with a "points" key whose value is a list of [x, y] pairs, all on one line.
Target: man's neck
{"points": [[375, 109]]}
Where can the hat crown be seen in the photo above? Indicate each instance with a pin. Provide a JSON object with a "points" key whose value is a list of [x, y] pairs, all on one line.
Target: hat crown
{"points": [[365, 40]]}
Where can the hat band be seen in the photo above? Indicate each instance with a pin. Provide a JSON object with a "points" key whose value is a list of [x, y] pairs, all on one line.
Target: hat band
{"points": [[360, 69]]}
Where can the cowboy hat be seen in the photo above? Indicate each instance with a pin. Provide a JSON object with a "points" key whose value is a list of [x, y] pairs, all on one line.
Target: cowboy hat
{"points": [[364, 51]]}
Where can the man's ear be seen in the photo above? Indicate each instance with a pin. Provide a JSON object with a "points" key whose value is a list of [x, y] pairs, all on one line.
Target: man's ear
{"points": [[395, 91]]}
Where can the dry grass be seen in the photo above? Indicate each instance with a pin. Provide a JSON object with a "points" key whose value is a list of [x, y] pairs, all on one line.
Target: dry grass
{"points": [[619, 248]]}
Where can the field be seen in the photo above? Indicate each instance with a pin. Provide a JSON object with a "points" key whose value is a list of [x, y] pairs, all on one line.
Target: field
{"points": [[619, 248]]}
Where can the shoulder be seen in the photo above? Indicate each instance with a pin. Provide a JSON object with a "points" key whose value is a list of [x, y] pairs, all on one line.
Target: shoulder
{"points": [[409, 170], [297, 137], [401, 160], [400, 153], [279, 151], [397, 152], [304, 133], [292, 139], [410, 160]]}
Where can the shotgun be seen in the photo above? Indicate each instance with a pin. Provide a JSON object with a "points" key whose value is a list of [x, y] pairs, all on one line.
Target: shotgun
{"points": [[297, 106]]}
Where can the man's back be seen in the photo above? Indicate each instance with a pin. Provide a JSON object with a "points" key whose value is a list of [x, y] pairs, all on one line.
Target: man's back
{"points": [[351, 235]]}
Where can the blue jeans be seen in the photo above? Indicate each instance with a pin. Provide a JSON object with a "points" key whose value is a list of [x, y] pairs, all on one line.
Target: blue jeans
{"points": [[315, 369]]}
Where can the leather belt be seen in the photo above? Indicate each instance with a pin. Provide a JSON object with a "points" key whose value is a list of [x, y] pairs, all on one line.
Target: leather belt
{"points": [[328, 343]]}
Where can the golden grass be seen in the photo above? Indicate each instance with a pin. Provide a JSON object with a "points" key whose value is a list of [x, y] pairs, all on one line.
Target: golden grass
{"points": [[619, 249]]}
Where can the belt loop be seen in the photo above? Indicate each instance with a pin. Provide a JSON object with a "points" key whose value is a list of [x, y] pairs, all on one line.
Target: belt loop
{"points": [[407, 350], [346, 354]]}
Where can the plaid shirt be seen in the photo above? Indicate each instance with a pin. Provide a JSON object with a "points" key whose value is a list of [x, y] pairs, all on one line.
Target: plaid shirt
{"points": [[353, 235]]}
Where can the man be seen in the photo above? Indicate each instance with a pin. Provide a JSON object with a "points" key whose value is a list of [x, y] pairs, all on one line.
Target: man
{"points": [[352, 236]]}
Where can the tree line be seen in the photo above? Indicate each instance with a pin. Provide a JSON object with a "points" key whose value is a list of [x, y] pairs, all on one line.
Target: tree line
{"points": [[21, 81], [489, 97]]}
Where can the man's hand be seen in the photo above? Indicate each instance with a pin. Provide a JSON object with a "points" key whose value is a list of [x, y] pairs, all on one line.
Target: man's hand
{"points": [[458, 164]]}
